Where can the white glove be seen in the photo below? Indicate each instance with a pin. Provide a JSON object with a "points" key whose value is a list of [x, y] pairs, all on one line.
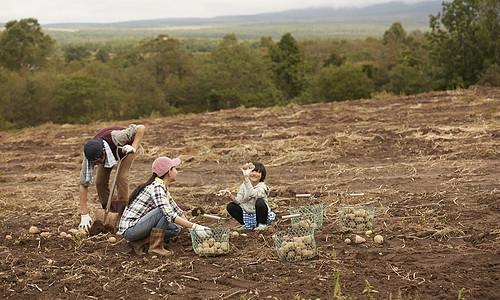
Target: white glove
{"points": [[86, 222], [246, 172], [224, 193], [200, 231], [128, 149]]}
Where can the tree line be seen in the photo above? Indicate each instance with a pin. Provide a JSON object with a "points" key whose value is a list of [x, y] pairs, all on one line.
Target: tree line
{"points": [[159, 77]]}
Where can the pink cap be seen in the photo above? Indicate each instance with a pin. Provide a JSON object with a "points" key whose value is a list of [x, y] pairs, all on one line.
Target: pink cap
{"points": [[163, 164]]}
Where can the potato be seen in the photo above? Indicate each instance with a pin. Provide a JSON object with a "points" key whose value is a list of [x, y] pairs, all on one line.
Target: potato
{"points": [[217, 245], [368, 232], [359, 240], [235, 234], [8, 237], [224, 246], [347, 241], [112, 239], [45, 234], [34, 229], [378, 239], [360, 227], [205, 244], [62, 234], [211, 241]]}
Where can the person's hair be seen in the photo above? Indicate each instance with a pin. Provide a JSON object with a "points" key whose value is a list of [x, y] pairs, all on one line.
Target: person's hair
{"points": [[259, 167], [138, 189]]}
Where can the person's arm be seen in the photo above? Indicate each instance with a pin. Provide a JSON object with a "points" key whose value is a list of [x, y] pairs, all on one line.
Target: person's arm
{"points": [[182, 221], [83, 199], [86, 220], [138, 136]]}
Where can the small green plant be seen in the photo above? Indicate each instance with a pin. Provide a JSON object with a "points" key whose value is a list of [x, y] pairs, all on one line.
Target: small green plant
{"points": [[460, 294], [369, 290], [336, 288], [243, 297]]}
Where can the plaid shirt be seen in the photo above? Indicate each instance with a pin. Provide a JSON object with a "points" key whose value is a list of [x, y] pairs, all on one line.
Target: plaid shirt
{"points": [[152, 196], [108, 163]]}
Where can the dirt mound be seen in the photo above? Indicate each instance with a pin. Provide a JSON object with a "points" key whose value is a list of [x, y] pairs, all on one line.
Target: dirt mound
{"points": [[428, 164]]}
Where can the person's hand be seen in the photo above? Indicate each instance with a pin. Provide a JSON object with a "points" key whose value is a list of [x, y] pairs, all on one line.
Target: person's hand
{"points": [[128, 149], [200, 231], [247, 169], [224, 193], [246, 172], [85, 222]]}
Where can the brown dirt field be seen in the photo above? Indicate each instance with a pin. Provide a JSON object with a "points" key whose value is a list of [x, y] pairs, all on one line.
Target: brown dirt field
{"points": [[429, 165]]}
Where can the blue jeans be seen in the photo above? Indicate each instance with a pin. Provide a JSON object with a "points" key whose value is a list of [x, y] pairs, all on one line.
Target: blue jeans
{"points": [[154, 218]]}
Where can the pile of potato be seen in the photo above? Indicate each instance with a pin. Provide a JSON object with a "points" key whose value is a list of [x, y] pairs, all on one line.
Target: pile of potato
{"points": [[356, 218], [297, 248], [306, 224], [212, 246]]}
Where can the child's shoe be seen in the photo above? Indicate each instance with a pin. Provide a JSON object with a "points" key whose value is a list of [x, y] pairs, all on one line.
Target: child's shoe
{"points": [[261, 227]]}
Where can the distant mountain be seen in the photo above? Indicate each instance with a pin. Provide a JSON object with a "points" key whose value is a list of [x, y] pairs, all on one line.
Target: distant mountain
{"points": [[412, 14]]}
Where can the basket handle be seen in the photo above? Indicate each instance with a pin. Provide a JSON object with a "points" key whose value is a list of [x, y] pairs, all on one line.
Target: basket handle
{"points": [[290, 216]]}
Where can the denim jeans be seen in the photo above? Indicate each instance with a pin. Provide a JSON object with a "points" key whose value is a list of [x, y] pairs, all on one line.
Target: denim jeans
{"points": [[154, 218]]}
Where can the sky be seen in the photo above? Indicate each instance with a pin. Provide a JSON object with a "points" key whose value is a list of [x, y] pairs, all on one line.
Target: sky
{"points": [[109, 11]]}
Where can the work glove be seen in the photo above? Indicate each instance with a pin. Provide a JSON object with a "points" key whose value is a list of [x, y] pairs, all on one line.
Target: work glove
{"points": [[128, 149], [222, 193], [246, 172], [247, 169], [200, 231], [86, 222]]}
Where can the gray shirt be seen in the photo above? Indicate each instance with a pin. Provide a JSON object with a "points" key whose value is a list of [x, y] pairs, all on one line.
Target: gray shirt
{"points": [[248, 195]]}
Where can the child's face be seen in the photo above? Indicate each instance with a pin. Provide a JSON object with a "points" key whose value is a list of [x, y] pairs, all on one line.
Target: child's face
{"points": [[254, 176]]}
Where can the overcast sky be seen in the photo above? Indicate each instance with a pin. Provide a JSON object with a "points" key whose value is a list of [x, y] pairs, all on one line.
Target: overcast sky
{"points": [[107, 11]]}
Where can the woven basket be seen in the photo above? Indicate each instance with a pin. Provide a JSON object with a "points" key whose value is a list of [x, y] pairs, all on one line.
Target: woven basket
{"points": [[310, 216], [356, 218], [295, 244], [217, 243]]}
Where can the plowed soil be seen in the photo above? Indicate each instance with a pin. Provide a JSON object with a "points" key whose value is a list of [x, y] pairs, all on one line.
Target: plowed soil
{"points": [[428, 164]]}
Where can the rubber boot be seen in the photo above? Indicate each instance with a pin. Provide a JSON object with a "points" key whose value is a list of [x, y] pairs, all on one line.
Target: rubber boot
{"points": [[138, 246], [156, 242]]}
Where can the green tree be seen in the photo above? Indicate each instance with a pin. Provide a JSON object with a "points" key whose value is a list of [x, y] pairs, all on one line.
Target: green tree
{"points": [[465, 41], [236, 75], [82, 98], [102, 56], [342, 83], [23, 46], [408, 80], [79, 53], [289, 66], [12, 89]]}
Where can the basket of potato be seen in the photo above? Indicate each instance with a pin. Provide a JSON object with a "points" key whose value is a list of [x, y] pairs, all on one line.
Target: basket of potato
{"points": [[310, 216], [356, 218], [215, 244], [295, 244]]}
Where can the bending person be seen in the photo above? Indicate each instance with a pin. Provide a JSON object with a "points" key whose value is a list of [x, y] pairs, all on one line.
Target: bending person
{"points": [[101, 152]]}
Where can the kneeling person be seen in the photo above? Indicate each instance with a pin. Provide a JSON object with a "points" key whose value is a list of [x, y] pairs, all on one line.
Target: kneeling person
{"points": [[152, 215]]}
